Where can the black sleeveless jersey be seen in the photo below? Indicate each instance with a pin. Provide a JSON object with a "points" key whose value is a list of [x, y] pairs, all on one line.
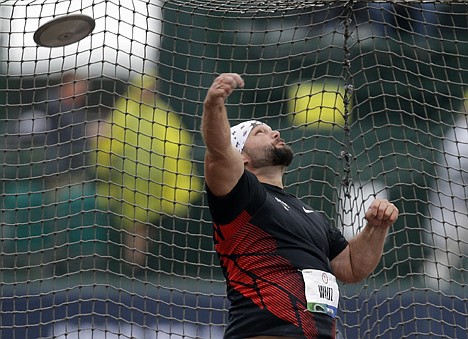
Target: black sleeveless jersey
{"points": [[264, 237]]}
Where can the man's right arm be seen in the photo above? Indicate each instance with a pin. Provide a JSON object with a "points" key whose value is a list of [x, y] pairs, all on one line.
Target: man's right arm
{"points": [[223, 163]]}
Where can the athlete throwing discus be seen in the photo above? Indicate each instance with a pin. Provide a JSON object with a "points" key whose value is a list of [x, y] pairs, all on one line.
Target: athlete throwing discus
{"points": [[280, 258]]}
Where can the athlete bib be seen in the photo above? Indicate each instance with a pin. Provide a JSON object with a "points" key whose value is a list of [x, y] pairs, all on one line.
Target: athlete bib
{"points": [[321, 292]]}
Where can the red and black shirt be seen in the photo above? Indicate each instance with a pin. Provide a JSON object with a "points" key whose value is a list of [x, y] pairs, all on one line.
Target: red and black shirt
{"points": [[264, 237]]}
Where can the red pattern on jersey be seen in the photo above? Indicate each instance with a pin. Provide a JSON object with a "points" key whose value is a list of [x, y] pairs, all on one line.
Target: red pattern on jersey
{"points": [[255, 271]]}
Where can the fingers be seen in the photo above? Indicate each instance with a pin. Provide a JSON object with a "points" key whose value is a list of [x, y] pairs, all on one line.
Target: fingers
{"points": [[224, 85], [382, 211]]}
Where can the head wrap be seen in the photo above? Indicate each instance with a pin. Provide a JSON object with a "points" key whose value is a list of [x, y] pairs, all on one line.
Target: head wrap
{"points": [[240, 133]]}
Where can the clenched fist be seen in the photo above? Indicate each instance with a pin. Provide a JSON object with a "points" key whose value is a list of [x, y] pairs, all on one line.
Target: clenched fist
{"points": [[222, 87], [381, 213]]}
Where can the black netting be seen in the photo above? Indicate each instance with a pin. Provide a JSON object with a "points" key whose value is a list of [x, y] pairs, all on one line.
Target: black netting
{"points": [[104, 225]]}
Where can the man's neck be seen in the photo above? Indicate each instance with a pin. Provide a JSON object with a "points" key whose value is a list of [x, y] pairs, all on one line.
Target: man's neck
{"points": [[269, 175]]}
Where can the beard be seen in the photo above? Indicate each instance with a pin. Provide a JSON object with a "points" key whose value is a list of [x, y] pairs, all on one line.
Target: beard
{"points": [[272, 156]]}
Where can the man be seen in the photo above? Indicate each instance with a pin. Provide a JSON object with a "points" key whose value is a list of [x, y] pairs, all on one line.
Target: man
{"points": [[143, 165], [280, 258], [69, 118]]}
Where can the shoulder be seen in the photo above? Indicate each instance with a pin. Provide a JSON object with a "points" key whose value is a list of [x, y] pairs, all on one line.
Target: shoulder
{"points": [[247, 195], [247, 183]]}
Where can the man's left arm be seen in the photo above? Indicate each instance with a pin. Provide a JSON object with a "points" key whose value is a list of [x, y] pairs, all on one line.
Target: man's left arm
{"points": [[364, 250]]}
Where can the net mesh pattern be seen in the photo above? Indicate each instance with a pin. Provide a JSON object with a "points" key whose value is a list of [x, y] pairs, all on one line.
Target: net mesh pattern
{"points": [[105, 229]]}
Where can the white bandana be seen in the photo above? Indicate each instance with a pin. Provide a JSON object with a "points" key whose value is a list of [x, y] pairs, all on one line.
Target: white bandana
{"points": [[240, 133]]}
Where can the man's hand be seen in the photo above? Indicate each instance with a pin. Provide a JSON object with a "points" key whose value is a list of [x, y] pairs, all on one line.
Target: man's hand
{"points": [[222, 87], [364, 250], [381, 213]]}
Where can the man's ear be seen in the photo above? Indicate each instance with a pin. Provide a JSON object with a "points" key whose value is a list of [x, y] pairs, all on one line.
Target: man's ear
{"points": [[245, 158]]}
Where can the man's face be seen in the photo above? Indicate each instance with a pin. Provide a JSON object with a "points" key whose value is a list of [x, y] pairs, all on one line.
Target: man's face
{"points": [[74, 92], [266, 148]]}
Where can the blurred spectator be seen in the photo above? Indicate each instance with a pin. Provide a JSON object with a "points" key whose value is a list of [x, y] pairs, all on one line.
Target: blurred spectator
{"points": [[144, 166], [370, 19], [70, 206], [391, 19], [68, 112], [48, 221], [448, 207]]}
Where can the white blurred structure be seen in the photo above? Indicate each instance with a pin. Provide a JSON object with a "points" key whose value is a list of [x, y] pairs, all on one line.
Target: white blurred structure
{"points": [[448, 207], [125, 39]]}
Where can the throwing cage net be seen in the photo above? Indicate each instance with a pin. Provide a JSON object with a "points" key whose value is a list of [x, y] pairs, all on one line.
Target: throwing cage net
{"points": [[105, 231]]}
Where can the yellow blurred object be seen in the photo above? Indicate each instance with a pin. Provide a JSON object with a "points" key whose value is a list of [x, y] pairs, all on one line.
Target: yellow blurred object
{"points": [[144, 160], [466, 100], [316, 104]]}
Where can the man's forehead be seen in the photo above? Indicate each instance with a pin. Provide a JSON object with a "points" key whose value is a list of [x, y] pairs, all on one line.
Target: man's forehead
{"points": [[241, 131], [262, 126]]}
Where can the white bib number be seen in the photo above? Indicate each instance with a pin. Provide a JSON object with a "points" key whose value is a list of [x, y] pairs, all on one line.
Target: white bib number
{"points": [[321, 291]]}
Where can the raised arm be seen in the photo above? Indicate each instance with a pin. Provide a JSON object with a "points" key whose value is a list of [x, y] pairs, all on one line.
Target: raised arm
{"points": [[223, 163], [364, 251]]}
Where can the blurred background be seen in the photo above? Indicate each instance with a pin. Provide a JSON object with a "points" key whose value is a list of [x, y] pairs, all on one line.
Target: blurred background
{"points": [[104, 223]]}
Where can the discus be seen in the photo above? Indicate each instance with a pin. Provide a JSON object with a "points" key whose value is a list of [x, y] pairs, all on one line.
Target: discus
{"points": [[65, 30]]}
